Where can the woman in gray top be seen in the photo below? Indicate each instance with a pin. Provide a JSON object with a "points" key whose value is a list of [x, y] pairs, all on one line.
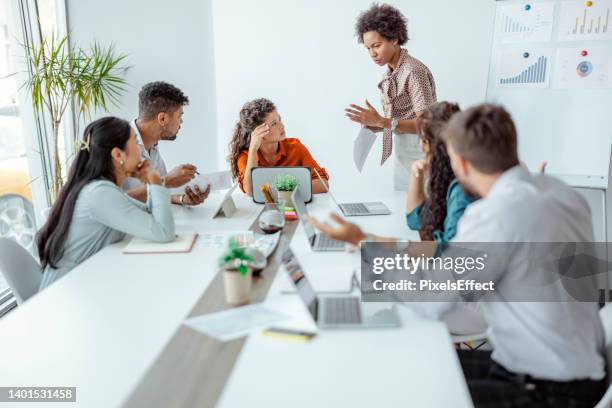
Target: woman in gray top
{"points": [[91, 210]]}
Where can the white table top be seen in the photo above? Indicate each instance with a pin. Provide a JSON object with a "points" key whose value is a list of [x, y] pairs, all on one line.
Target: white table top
{"points": [[100, 328]]}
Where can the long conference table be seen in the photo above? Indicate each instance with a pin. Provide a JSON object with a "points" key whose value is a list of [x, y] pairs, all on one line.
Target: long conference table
{"points": [[103, 327]]}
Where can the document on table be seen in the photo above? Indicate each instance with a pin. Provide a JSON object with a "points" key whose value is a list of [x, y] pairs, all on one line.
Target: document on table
{"points": [[219, 239], [362, 146], [220, 180], [237, 322], [182, 243]]}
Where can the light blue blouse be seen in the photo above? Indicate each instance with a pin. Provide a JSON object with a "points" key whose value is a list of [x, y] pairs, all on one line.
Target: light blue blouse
{"points": [[103, 215], [456, 203]]}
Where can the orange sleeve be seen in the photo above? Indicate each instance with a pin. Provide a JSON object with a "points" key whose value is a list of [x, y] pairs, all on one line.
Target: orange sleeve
{"points": [[243, 157], [309, 161]]}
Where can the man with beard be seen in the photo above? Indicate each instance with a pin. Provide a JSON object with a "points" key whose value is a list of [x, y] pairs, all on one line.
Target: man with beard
{"points": [[160, 115], [548, 347]]}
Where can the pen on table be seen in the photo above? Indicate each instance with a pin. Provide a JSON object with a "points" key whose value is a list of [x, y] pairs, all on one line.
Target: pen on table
{"points": [[288, 334]]}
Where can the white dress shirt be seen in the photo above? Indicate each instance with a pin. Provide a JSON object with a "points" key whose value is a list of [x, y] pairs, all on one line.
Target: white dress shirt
{"points": [[558, 340], [152, 155]]}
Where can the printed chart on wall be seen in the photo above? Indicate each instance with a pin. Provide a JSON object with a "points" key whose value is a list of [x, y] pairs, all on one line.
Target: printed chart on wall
{"points": [[585, 20], [583, 68], [524, 68], [551, 68], [526, 23]]}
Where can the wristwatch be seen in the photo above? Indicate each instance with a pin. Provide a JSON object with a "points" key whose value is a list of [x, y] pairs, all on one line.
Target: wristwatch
{"points": [[394, 123]]}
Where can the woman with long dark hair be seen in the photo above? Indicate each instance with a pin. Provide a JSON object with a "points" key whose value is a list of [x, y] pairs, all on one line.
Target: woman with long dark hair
{"points": [[436, 201], [91, 210], [259, 140]]}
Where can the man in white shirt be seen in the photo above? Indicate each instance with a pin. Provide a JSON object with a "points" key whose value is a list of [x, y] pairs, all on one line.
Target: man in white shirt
{"points": [[160, 115], [545, 352]]}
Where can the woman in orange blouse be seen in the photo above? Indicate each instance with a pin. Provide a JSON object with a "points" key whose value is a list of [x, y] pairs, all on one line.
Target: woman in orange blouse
{"points": [[259, 140]]}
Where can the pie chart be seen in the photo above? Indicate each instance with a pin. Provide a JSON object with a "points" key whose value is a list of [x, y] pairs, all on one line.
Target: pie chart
{"points": [[584, 69]]}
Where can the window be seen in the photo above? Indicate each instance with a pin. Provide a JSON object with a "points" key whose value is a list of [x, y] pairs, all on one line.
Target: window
{"points": [[17, 152], [17, 219]]}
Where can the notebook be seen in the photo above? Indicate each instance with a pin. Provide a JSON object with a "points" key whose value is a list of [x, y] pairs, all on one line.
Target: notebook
{"points": [[181, 244]]}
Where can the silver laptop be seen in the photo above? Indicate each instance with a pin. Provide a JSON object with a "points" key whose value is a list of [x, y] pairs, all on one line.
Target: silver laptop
{"points": [[355, 209], [337, 312], [317, 241]]}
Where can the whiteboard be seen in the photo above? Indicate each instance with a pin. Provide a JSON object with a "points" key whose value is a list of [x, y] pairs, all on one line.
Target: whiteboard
{"points": [[561, 117]]}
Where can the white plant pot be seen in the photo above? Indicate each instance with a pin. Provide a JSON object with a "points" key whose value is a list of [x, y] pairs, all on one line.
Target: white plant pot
{"points": [[237, 286], [286, 195]]}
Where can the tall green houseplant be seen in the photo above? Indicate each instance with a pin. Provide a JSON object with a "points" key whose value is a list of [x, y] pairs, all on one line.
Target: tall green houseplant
{"points": [[62, 74]]}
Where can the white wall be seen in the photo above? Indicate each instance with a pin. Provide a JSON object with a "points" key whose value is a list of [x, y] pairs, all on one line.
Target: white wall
{"points": [[303, 55], [164, 41]]}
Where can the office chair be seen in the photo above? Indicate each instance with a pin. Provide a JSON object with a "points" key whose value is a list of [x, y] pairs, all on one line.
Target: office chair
{"points": [[20, 270]]}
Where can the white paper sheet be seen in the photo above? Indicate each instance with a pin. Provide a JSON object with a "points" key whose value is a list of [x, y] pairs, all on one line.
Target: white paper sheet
{"points": [[575, 71], [182, 243], [235, 323], [582, 22], [524, 68], [362, 146], [521, 23], [220, 180], [219, 239]]}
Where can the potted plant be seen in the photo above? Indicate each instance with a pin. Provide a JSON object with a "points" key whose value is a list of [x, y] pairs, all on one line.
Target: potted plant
{"points": [[235, 264], [63, 75], [285, 185]]}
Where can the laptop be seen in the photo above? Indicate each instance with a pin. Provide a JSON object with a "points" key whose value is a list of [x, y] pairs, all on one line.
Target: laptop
{"points": [[317, 241], [338, 312], [356, 209]]}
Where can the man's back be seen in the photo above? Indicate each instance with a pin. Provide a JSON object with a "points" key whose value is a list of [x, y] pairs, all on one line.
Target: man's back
{"points": [[536, 326]]}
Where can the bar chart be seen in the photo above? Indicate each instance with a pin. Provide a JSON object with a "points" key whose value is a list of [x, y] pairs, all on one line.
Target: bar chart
{"points": [[582, 22], [524, 69], [518, 23], [511, 26], [534, 74]]}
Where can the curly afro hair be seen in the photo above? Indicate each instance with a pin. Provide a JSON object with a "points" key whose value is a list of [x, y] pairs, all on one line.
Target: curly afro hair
{"points": [[386, 20], [156, 97]]}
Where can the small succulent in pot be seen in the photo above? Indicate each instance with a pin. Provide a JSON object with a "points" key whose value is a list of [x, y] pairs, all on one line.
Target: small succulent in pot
{"points": [[285, 185], [235, 258], [286, 182], [237, 273]]}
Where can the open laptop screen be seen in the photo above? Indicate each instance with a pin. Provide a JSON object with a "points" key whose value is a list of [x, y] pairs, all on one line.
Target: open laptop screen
{"points": [[301, 210], [299, 279]]}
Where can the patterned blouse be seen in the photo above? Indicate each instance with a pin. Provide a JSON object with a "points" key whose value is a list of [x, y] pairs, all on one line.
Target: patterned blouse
{"points": [[406, 91]]}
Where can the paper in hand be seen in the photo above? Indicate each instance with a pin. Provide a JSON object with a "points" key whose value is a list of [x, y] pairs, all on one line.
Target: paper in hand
{"points": [[221, 180], [362, 146]]}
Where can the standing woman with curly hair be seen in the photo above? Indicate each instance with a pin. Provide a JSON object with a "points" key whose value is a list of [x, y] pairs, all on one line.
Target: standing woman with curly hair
{"points": [[435, 211], [407, 87], [259, 140]]}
